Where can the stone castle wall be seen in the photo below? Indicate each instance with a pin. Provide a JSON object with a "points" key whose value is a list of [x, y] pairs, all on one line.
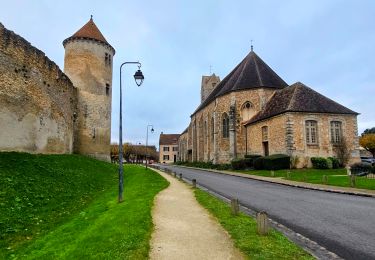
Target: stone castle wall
{"points": [[37, 100]]}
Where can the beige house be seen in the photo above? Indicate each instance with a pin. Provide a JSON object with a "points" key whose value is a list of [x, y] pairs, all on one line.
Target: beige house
{"points": [[253, 111], [168, 148]]}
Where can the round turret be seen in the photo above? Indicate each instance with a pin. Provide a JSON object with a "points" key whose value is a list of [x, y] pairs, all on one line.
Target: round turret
{"points": [[88, 63]]}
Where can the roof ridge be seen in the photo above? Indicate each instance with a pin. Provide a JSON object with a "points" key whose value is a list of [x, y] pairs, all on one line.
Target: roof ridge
{"points": [[293, 98], [257, 69]]}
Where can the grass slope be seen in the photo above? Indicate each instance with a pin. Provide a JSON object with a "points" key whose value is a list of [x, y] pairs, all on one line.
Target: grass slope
{"points": [[65, 206], [243, 231]]}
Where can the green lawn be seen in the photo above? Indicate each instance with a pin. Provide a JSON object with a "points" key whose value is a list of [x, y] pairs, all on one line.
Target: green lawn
{"points": [[65, 207], [243, 231], [336, 177]]}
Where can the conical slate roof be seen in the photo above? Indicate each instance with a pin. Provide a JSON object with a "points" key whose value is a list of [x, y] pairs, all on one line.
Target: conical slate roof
{"points": [[252, 72], [299, 98], [89, 31]]}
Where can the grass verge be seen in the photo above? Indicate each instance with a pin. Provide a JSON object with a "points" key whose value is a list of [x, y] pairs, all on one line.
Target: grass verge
{"points": [[65, 207], [243, 231], [336, 177]]}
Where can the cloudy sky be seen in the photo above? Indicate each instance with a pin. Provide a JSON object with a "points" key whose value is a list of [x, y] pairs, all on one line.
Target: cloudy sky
{"points": [[328, 45]]}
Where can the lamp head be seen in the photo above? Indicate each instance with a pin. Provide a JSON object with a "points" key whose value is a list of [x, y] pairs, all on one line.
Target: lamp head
{"points": [[138, 77]]}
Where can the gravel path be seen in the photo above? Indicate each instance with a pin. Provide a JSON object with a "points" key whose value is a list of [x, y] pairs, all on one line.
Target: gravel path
{"points": [[185, 230]]}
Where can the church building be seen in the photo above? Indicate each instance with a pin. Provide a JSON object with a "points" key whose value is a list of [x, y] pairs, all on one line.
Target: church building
{"points": [[254, 111]]}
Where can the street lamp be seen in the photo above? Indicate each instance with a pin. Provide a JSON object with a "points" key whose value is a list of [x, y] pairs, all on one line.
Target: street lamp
{"points": [[152, 130], [138, 77]]}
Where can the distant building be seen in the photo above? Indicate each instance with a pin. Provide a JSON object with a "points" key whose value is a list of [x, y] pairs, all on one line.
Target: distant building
{"points": [[253, 111], [168, 148]]}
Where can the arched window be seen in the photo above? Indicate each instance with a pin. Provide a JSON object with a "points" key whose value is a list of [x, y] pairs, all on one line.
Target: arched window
{"points": [[336, 133], [311, 132], [247, 111], [205, 132], [212, 130], [225, 125]]}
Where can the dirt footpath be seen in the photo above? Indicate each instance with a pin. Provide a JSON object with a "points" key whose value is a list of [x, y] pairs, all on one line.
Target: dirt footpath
{"points": [[184, 229]]}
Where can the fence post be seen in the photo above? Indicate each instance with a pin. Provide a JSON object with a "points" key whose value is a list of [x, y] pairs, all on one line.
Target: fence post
{"points": [[175, 174], [288, 174], [348, 170], [262, 223], [305, 177], [325, 179], [235, 207], [180, 176], [352, 180], [194, 182], [272, 173]]}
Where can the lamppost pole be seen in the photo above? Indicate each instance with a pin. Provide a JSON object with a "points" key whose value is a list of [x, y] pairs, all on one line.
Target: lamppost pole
{"points": [[152, 130], [138, 76]]}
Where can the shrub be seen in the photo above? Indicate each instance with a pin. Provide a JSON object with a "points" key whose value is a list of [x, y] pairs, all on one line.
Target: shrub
{"points": [[319, 163], [238, 164], [335, 162], [252, 156], [258, 163], [358, 168], [249, 159], [276, 162], [223, 167]]}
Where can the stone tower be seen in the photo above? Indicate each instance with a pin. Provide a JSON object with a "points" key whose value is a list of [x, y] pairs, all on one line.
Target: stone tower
{"points": [[208, 84], [88, 63]]}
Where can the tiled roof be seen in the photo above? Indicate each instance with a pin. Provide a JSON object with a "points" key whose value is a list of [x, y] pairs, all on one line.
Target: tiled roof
{"points": [[168, 139], [299, 98], [89, 31], [252, 72]]}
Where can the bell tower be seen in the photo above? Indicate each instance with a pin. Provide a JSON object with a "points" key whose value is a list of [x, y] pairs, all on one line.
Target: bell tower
{"points": [[88, 63]]}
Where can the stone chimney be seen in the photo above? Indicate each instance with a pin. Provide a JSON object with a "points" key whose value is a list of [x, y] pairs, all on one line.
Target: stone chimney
{"points": [[208, 84]]}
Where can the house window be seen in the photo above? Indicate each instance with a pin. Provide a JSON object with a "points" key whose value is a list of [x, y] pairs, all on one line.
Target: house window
{"points": [[166, 157], [265, 133], [336, 132], [175, 149], [107, 89], [225, 125], [109, 59], [166, 149], [311, 132], [106, 58]]}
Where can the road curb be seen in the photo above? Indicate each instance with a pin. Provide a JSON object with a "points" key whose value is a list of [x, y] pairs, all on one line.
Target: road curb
{"points": [[362, 194]]}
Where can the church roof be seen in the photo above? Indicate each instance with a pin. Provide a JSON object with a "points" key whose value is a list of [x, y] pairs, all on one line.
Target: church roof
{"points": [[299, 98], [168, 139], [252, 72], [89, 31]]}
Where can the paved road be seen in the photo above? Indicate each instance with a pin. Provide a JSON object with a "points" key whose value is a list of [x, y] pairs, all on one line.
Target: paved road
{"points": [[344, 224]]}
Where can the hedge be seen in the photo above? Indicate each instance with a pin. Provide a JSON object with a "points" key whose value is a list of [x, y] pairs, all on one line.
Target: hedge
{"points": [[276, 162], [258, 163], [320, 163], [335, 162]]}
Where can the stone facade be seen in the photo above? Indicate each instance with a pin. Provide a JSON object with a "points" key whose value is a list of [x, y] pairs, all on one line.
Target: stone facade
{"points": [[204, 138], [43, 110], [224, 127], [88, 65], [38, 102]]}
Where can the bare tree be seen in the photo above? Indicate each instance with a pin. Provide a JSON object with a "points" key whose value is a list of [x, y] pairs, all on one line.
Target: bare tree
{"points": [[342, 151]]}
